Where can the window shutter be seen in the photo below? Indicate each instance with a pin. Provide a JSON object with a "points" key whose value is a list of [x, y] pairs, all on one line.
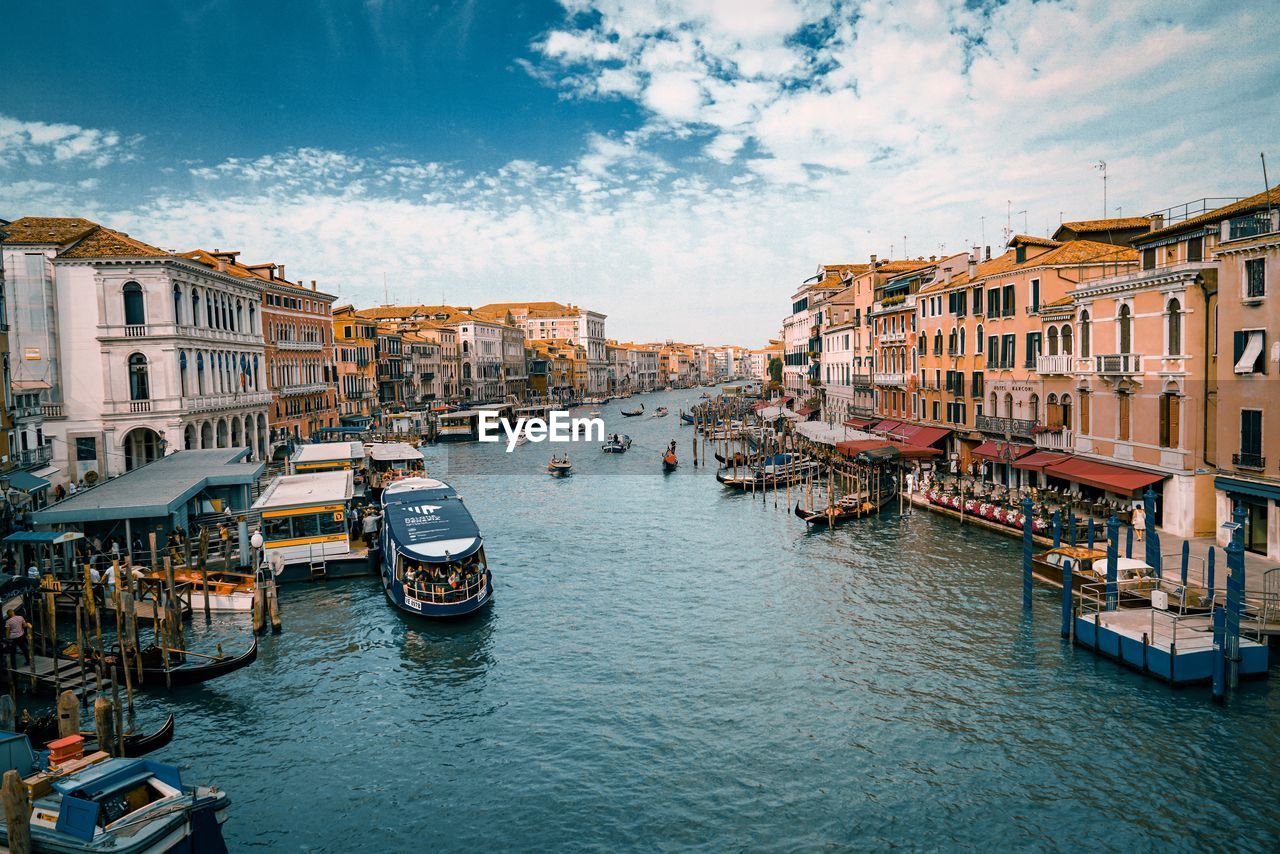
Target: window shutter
{"points": [[1239, 341], [1164, 420], [1260, 366], [1148, 259], [1174, 428]]}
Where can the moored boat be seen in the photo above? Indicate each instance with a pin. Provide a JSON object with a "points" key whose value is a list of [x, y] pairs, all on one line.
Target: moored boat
{"points": [[90, 803], [44, 729], [227, 591], [173, 668], [433, 560], [686, 418], [1089, 567]]}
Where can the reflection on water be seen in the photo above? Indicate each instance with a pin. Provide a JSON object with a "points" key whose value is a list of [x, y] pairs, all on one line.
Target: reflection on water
{"points": [[667, 665]]}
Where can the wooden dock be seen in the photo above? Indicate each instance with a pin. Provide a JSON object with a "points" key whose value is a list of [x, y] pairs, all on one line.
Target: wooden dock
{"points": [[63, 674]]}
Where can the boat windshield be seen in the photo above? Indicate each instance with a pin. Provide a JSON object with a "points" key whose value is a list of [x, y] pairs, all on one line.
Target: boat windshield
{"points": [[442, 583]]}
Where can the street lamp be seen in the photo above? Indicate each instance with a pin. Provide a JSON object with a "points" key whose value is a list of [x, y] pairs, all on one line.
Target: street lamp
{"points": [[255, 542]]}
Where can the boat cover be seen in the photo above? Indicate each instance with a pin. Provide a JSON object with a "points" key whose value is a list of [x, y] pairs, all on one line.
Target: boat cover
{"points": [[432, 527]]}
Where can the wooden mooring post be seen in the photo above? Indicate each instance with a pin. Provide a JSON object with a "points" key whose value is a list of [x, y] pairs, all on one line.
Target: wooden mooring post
{"points": [[17, 812]]}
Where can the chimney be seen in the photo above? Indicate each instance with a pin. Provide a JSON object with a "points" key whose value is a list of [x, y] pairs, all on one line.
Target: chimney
{"points": [[279, 269], [873, 262], [222, 264], [933, 258], [1157, 222], [973, 264], [988, 253], [313, 284]]}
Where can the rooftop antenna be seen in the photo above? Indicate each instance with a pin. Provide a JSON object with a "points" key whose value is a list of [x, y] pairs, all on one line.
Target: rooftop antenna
{"points": [[1102, 165], [1266, 185], [1120, 211], [386, 300], [983, 220], [1008, 220], [904, 247], [1026, 229]]}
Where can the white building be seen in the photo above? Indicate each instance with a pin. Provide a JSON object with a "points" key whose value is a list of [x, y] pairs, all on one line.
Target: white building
{"points": [[546, 320], [143, 351], [644, 367]]}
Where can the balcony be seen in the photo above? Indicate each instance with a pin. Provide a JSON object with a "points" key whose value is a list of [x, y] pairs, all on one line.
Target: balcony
{"points": [[302, 388], [21, 412], [893, 337], [138, 330], [1060, 440], [1002, 426], [861, 380], [52, 411], [136, 406], [1251, 461], [1059, 365], [209, 402], [1250, 225], [1117, 364], [33, 457], [888, 379], [299, 345]]}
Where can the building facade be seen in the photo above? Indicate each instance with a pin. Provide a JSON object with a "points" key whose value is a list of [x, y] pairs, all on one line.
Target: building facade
{"points": [[355, 352]]}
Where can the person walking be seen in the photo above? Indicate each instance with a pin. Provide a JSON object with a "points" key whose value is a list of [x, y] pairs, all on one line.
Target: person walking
{"points": [[1139, 521], [15, 631], [371, 520]]}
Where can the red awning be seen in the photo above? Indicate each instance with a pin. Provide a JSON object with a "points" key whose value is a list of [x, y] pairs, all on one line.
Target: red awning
{"points": [[1117, 479], [859, 423], [996, 450], [1040, 459], [924, 437], [806, 411], [887, 426], [853, 447]]}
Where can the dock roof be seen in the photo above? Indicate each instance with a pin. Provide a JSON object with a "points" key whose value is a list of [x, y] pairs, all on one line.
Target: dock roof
{"points": [[155, 490], [293, 490], [325, 451]]}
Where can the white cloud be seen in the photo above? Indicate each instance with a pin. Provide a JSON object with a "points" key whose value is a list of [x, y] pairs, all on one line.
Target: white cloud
{"points": [[36, 143]]}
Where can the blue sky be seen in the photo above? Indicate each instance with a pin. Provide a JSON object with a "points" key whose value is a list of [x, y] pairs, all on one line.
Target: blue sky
{"points": [[681, 166]]}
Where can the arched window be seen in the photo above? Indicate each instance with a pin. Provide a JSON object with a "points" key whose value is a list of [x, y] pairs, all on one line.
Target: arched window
{"points": [[208, 310], [994, 409], [1008, 405], [1066, 411], [195, 307], [239, 316], [466, 347], [1175, 328], [978, 339], [177, 304], [1066, 339], [962, 330], [1052, 343], [138, 386], [951, 343], [1126, 329], [1035, 408], [135, 312], [253, 318], [1086, 335], [937, 343], [182, 372]]}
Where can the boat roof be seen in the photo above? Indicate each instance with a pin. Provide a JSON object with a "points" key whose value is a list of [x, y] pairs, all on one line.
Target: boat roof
{"points": [[322, 451], [299, 490], [392, 451], [430, 523], [403, 489]]}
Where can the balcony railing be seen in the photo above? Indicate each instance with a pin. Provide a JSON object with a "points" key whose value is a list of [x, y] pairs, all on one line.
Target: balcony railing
{"points": [[1117, 363], [1060, 440], [1247, 460], [1250, 225], [52, 410], [299, 345], [33, 457], [887, 379], [1001, 426], [893, 337], [137, 330], [302, 388], [1059, 365], [863, 380]]}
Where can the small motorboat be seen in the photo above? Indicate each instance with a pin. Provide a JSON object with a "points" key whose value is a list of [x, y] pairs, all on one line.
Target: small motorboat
{"points": [[228, 591], [560, 466], [91, 802], [619, 443], [632, 413], [660, 412]]}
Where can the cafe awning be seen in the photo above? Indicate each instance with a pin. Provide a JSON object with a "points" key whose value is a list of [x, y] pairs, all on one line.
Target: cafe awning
{"points": [[1116, 479], [1040, 459], [859, 423], [887, 426], [47, 538], [924, 437], [26, 481], [998, 451]]}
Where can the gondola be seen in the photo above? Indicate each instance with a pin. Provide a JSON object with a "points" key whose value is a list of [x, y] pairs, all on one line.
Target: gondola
{"points": [[669, 461], [632, 413], [44, 729], [846, 510], [686, 418], [193, 671], [736, 458]]}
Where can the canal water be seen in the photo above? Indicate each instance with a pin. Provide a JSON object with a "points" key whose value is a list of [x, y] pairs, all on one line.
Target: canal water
{"points": [[668, 665]]}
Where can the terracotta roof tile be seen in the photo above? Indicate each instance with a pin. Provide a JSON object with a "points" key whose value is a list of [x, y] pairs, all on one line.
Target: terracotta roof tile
{"points": [[102, 242], [1090, 226], [47, 229], [1032, 240]]}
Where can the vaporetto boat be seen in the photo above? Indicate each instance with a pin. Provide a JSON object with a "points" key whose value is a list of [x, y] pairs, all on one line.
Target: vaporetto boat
{"points": [[433, 562]]}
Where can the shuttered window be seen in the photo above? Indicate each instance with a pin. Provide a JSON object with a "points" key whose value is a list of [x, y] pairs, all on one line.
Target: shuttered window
{"points": [[1148, 259], [1169, 410], [1086, 411], [1251, 431], [1195, 249], [1123, 402]]}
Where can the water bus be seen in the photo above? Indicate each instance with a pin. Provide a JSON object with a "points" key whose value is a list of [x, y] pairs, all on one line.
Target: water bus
{"points": [[433, 561], [460, 426], [331, 456], [306, 531], [391, 461]]}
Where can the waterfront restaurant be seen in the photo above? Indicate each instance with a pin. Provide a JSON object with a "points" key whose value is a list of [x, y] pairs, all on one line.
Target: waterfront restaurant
{"points": [[172, 492]]}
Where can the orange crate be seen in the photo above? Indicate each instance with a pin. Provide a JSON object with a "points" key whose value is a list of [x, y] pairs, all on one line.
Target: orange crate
{"points": [[64, 749]]}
